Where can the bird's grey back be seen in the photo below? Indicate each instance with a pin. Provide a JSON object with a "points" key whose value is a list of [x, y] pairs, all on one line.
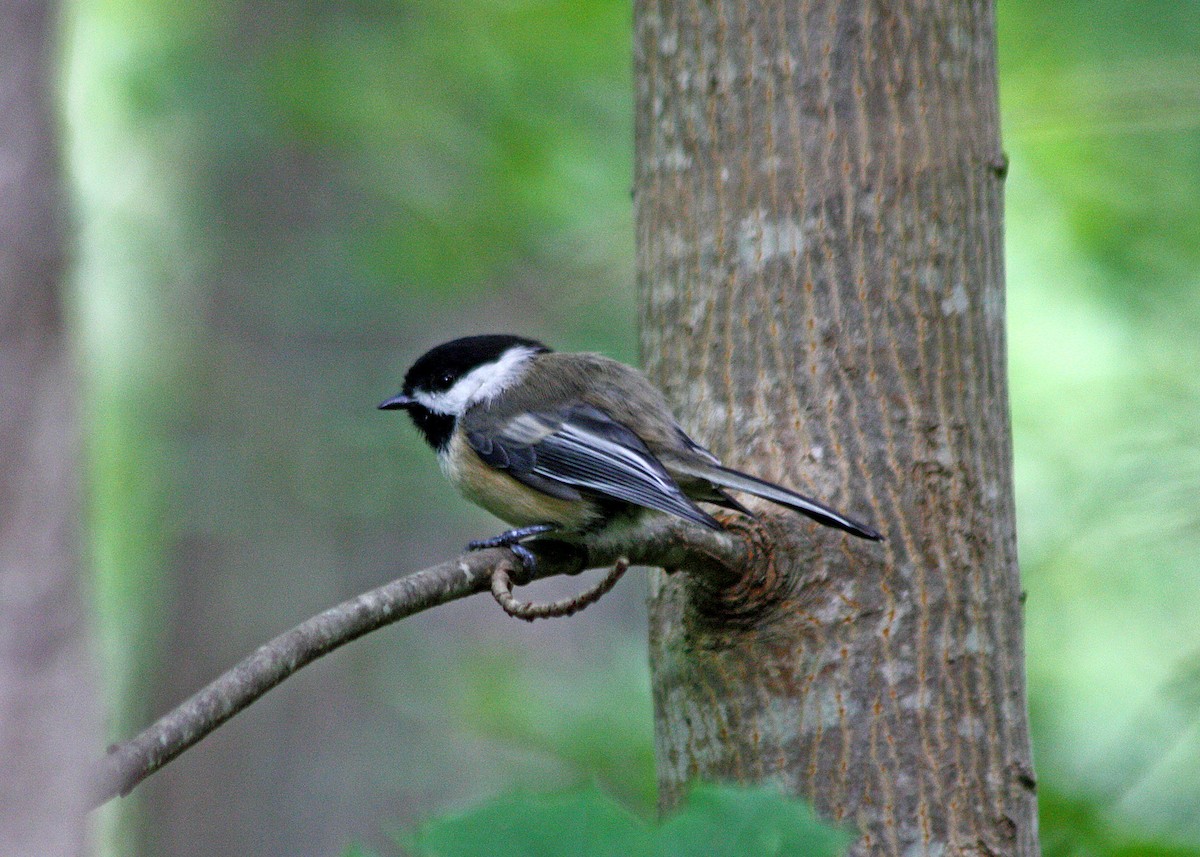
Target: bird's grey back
{"points": [[619, 390]]}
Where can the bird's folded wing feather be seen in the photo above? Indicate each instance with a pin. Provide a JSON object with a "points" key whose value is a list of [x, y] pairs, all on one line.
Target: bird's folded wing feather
{"points": [[581, 448]]}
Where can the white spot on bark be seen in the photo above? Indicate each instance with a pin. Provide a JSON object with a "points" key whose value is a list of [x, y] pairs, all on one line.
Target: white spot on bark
{"points": [[957, 303], [784, 715], [993, 305], [760, 241], [669, 43], [895, 671], [920, 849], [818, 453], [970, 727], [973, 644], [959, 38], [675, 159], [832, 708], [727, 73], [891, 620], [771, 165], [950, 70], [673, 244]]}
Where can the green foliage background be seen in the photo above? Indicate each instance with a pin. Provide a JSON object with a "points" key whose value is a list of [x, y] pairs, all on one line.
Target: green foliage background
{"points": [[279, 205], [715, 821]]}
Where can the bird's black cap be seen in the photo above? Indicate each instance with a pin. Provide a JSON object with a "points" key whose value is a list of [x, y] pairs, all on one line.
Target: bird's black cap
{"points": [[438, 368]]}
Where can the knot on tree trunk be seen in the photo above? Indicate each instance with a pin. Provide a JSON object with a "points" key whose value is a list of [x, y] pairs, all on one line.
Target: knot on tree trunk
{"points": [[776, 570]]}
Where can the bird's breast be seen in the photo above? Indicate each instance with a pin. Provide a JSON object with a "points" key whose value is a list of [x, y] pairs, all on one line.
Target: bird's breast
{"points": [[507, 498]]}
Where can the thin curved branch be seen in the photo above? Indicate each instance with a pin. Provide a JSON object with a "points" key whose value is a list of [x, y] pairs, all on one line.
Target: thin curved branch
{"points": [[528, 611], [667, 542]]}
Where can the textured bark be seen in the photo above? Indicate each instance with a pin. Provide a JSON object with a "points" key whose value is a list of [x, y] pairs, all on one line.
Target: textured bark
{"points": [[48, 723], [819, 193]]}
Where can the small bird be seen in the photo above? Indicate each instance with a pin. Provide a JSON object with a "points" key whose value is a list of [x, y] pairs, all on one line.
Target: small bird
{"points": [[569, 443]]}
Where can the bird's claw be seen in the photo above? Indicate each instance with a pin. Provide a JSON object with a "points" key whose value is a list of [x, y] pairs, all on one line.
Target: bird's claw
{"points": [[512, 541]]}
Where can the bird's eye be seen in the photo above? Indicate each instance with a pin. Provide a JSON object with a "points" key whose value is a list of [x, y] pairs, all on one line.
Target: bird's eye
{"points": [[446, 377]]}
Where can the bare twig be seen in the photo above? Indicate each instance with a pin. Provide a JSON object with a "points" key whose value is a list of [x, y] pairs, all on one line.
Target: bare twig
{"points": [[669, 543], [502, 591]]}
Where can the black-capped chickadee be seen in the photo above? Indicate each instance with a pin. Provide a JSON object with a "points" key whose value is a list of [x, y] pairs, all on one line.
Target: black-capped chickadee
{"points": [[569, 444]]}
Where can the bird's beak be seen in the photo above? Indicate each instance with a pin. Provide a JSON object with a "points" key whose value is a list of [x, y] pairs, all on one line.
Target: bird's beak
{"points": [[396, 403]]}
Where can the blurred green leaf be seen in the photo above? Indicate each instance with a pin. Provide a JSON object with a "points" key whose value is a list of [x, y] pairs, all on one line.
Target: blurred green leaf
{"points": [[716, 821], [585, 823], [735, 821], [1082, 826]]}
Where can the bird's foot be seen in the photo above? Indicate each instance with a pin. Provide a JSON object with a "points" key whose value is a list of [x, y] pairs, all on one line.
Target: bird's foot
{"points": [[512, 540]]}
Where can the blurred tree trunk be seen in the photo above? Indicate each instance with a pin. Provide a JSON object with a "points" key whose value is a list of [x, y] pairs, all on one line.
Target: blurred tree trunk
{"points": [[48, 722], [819, 193]]}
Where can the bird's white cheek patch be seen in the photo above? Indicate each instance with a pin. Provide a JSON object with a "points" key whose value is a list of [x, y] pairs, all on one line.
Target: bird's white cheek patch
{"points": [[478, 385], [491, 379], [439, 403]]}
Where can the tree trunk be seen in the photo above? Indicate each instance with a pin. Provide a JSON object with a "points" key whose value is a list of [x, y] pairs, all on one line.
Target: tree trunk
{"points": [[819, 194], [48, 717]]}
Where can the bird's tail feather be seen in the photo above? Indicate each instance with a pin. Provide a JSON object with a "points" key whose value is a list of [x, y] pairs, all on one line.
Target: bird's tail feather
{"points": [[819, 512]]}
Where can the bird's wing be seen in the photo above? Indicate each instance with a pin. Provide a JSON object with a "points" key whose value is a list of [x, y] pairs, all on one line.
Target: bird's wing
{"points": [[582, 449]]}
